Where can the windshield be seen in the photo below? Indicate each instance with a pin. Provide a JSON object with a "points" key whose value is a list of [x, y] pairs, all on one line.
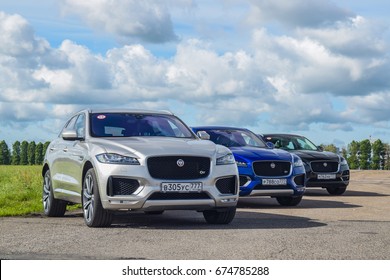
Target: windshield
{"points": [[235, 138], [291, 143], [134, 124]]}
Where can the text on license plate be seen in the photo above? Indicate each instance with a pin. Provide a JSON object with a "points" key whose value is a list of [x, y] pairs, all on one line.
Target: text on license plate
{"points": [[274, 182], [326, 176], [182, 187]]}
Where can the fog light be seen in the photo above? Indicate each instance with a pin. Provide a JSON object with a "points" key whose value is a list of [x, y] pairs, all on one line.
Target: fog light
{"points": [[226, 200]]}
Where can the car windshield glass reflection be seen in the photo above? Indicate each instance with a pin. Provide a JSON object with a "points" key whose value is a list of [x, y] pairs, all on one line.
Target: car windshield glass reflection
{"points": [[293, 143], [235, 138], [135, 125]]}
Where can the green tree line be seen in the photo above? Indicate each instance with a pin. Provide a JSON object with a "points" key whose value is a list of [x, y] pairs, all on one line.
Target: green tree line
{"points": [[22, 153], [366, 154]]}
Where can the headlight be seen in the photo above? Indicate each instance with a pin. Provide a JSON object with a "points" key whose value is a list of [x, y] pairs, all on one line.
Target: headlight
{"points": [[226, 159], [343, 161], [241, 164], [117, 159], [298, 162]]}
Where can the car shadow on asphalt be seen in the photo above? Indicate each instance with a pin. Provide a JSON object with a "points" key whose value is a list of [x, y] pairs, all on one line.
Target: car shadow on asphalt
{"points": [[270, 203], [189, 220], [320, 192]]}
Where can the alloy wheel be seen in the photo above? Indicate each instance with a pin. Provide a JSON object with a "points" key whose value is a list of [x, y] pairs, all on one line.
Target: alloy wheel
{"points": [[88, 198]]}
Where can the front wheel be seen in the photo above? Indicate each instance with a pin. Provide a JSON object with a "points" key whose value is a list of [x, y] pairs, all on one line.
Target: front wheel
{"points": [[52, 207], [336, 190], [289, 200], [94, 213], [220, 216]]}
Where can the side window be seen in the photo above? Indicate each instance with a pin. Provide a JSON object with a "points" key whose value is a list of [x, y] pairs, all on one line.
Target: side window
{"points": [[80, 126], [71, 123]]}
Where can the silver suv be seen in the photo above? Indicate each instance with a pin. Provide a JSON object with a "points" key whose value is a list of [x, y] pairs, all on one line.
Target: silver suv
{"points": [[115, 160]]}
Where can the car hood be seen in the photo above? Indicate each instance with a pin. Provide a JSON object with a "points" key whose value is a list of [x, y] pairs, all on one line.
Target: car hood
{"points": [[253, 153], [316, 155], [155, 146]]}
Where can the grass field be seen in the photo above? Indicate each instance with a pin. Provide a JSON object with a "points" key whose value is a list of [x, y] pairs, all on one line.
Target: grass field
{"points": [[20, 190]]}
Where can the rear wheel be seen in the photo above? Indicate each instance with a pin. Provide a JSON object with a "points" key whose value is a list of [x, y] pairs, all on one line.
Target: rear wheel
{"points": [[336, 190], [289, 200], [52, 207], [94, 213], [224, 216]]}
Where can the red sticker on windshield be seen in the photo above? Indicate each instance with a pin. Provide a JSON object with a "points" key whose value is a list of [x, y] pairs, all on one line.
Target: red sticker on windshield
{"points": [[101, 117]]}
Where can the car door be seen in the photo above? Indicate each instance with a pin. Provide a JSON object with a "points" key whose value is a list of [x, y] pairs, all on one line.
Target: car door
{"points": [[74, 154], [57, 158]]}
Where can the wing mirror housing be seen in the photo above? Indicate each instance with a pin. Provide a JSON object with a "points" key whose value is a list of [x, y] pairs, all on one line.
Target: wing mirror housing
{"points": [[70, 134], [270, 145], [203, 135]]}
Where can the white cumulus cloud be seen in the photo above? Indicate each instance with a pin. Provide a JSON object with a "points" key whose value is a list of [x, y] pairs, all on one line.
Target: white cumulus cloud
{"points": [[147, 20]]}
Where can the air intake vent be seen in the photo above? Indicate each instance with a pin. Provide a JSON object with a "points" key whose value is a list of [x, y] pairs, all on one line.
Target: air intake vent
{"points": [[227, 185], [121, 186]]}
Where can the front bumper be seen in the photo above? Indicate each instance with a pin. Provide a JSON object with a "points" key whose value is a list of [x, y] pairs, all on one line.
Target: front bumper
{"points": [[251, 185], [148, 195], [341, 180]]}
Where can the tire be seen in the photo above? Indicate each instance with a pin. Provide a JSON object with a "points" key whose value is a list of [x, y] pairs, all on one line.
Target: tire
{"points": [[336, 190], [94, 213], [220, 216], [289, 200], [52, 207]]}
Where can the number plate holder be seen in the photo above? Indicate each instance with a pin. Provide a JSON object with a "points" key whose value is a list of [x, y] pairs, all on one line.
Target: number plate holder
{"points": [[182, 187], [330, 176], [274, 182]]}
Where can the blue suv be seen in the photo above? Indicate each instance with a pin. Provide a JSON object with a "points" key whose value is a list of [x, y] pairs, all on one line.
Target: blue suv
{"points": [[263, 170]]}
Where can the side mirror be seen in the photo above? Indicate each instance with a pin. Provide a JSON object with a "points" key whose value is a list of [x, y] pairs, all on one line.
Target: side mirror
{"points": [[270, 145], [203, 135], [320, 149], [69, 134]]}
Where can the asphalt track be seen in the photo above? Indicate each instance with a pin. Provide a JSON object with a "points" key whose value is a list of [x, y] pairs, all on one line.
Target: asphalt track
{"points": [[354, 226]]}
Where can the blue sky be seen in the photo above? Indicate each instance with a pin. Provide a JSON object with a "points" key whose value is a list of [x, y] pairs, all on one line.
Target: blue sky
{"points": [[313, 67]]}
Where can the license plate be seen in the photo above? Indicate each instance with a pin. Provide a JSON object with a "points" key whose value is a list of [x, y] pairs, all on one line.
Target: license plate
{"points": [[274, 182], [326, 176], [182, 187]]}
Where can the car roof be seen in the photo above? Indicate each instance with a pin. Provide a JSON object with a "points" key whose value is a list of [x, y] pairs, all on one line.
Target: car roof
{"points": [[137, 111], [217, 127], [280, 134]]}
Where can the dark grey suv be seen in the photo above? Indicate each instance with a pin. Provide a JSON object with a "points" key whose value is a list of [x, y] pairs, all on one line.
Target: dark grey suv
{"points": [[323, 169]]}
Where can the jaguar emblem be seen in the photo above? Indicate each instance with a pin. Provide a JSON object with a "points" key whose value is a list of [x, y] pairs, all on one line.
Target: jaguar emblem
{"points": [[325, 164], [180, 162], [272, 165]]}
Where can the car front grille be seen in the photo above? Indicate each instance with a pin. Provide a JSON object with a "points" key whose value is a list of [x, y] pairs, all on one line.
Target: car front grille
{"points": [[121, 186], [179, 167], [178, 196], [272, 168], [324, 166], [227, 185]]}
